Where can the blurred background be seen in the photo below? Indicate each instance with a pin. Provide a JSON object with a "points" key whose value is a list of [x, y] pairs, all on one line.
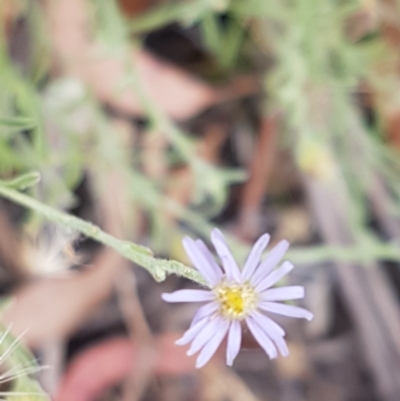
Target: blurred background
{"points": [[156, 119]]}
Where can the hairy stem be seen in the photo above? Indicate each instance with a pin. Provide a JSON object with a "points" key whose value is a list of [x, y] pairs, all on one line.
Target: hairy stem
{"points": [[141, 255]]}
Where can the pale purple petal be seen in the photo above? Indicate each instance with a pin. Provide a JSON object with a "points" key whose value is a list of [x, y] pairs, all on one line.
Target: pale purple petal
{"points": [[273, 331], [210, 258], [228, 262], [200, 261], [286, 310], [188, 296], [206, 334], [279, 342], [283, 293], [190, 334], [267, 324], [211, 347], [281, 345], [268, 264], [254, 257], [275, 276], [234, 341], [261, 337], [203, 311]]}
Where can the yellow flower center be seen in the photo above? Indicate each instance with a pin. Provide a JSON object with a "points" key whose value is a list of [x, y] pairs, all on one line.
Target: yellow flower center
{"points": [[236, 300]]}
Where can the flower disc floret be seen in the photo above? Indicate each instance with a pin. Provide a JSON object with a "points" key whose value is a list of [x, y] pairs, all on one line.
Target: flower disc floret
{"points": [[236, 301]]}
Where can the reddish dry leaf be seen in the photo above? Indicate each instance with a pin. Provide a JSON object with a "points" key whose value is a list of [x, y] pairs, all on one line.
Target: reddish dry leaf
{"points": [[53, 308], [135, 7], [179, 94], [96, 369], [256, 186], [109, 362], [9, 12]]}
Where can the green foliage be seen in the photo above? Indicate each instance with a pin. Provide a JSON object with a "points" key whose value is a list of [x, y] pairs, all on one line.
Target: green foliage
{"points": [[59, 130], [22, 182], [55, 127], [54, 131], [17, 123], [20, 365]]}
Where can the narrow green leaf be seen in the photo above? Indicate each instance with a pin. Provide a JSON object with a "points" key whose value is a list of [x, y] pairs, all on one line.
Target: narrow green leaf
{"points": [[17, 122], [20, 363], [23, 181]]}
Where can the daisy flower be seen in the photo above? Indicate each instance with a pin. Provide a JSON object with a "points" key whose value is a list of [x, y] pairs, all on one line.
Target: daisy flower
{"points": [[237, 296]]}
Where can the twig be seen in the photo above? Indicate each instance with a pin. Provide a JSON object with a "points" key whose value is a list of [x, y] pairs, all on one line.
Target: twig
{"points": [[363, 289], [260, 171], [139, 332]]}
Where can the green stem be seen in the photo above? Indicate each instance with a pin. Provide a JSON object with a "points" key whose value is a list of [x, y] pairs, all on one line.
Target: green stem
{"points": [[358, 253], [184, 12], [143, 256]]}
